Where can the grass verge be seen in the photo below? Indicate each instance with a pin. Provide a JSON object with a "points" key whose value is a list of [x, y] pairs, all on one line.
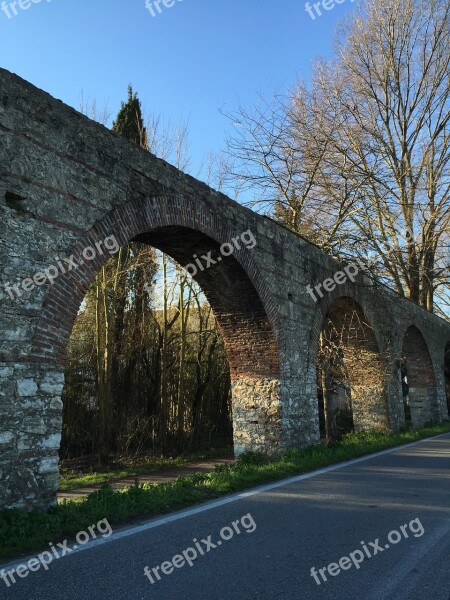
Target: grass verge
{"points": [[22, 532]]}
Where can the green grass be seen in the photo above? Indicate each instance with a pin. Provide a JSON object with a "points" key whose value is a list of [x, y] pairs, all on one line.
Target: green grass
{"points": [[24, 532], [117, 471]]}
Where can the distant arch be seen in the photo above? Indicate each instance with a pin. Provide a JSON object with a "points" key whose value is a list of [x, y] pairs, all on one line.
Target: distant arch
{"points": [[351, 375], [418, 380]]}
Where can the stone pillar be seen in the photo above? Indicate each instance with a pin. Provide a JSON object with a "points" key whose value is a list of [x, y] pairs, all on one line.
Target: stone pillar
{"points": [[30, 434], [256, 416]]}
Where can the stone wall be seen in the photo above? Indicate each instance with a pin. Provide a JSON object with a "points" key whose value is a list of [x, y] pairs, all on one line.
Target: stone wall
{"points": [[67, 183]]}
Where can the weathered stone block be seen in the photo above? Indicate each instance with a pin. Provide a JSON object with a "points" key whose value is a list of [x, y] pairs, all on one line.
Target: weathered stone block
{"points": [[26, 387]]}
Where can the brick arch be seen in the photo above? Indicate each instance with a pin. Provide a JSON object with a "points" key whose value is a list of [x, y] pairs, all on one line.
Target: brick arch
{"points": [[235, 289], [420, 393], [241, 301], [346, 329], [325, 305]]}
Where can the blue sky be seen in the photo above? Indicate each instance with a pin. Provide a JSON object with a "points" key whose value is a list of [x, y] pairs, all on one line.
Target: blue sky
{"points": [[186, 63]]}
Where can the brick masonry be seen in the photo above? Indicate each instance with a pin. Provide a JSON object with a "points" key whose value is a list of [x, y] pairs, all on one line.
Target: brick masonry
{"points": [[67, 183]]}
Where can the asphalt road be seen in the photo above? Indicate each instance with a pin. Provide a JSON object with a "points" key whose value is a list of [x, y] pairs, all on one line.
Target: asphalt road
{"points": [[285, 530]]}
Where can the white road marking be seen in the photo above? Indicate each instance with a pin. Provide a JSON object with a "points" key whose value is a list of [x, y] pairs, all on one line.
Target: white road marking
{"points": [[158, 522]]}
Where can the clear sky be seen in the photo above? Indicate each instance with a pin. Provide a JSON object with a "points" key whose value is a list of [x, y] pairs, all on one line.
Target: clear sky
{"points": [[186, 63]]}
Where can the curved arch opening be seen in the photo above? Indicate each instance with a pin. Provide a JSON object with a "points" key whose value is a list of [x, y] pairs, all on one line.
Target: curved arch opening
{"points": [[146, 356], [418, 380], [239, 311], [351, 389]]}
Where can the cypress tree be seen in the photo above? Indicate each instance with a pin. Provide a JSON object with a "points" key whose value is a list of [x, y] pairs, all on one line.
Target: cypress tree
{"points": [[129, 122]]}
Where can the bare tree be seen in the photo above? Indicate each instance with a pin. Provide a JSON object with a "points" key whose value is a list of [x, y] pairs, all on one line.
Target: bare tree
{"points": [[359, 160]]}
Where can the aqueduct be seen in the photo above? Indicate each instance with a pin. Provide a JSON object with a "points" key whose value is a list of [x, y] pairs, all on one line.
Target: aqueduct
{"points": [[67, 182]]}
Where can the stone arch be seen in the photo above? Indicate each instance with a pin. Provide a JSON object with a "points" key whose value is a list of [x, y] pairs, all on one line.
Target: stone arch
{"points": [[354, 372], [242, 303], [235, 288], [418, 379]]}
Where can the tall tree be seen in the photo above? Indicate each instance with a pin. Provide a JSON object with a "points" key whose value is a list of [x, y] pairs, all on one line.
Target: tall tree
{"points": [[152, 374], [358, 160], [113, 294]]}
